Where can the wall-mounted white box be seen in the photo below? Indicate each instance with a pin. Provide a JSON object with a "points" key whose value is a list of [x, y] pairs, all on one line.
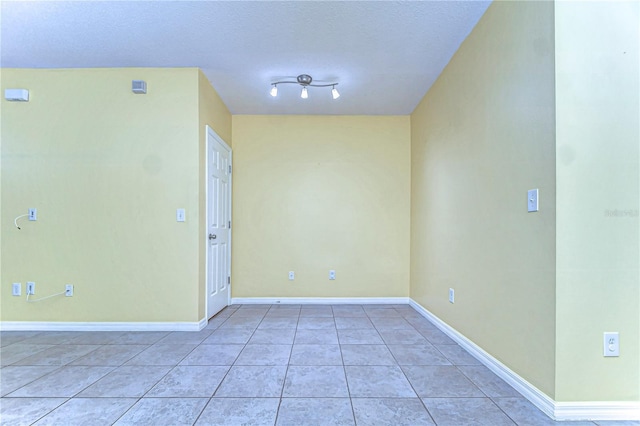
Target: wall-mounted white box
{"points": [[139, 87], [16, 95], [532, 200]]}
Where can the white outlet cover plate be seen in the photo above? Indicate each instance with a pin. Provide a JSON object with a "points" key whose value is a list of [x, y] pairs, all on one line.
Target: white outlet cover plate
{"points": [[611, 344], [532, 200], [33, 214], [180, 215], [452, 295], [292, 275], [17, 289], [332, 274]]}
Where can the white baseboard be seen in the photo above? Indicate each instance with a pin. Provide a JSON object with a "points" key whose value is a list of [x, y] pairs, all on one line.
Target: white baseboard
{"points": [[533, 394], [597, 410], [202, 323], [593, 410], [101, 326], [320, 300]]}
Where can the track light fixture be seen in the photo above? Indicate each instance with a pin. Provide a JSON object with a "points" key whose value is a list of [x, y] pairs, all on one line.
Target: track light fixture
{"points": [[305, 81]]}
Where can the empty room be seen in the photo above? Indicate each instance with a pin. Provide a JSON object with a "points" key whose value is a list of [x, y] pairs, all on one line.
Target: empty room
{"points": [[320, 213]]}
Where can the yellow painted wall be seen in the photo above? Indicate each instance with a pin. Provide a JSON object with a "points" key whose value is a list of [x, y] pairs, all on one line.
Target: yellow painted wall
{"points": [[106, 170], [598, 186], [483, 135], [212, 113], [314, 193]]}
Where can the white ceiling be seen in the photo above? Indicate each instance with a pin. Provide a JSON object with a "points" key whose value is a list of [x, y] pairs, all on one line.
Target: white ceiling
{"points": [[384, 54]]}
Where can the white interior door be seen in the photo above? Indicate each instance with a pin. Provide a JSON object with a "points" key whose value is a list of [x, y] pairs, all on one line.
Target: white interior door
{"points": [[218, 223]]}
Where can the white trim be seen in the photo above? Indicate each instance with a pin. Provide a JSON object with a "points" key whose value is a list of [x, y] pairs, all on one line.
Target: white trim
{"points": [[320, 300], [533, 394], [231, 218], [594, 410], [202, 323], [597, 410], [102, 326]]}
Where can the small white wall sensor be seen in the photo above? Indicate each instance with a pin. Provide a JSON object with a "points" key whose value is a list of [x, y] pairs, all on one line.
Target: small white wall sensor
{"points": [[139, 87], [16, 95]]}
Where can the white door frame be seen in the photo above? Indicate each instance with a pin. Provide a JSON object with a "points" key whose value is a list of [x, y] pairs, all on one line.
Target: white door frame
{"points": [[210, 132]]}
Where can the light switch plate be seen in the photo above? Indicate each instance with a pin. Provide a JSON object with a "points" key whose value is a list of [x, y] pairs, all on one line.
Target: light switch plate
{"points": [[532, 200], [180, 215]]}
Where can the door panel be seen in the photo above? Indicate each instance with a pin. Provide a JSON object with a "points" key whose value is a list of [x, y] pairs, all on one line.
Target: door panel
{"points": [[218, 223]]}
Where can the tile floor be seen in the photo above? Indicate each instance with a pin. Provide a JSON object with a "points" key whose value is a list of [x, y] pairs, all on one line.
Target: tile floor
{"points": [[259, 365]]}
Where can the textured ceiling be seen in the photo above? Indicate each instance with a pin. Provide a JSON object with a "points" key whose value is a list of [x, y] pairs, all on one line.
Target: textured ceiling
{"points": [[384, 54]]}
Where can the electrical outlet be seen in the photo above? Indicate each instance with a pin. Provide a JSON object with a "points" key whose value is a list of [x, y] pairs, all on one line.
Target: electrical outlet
{"points": [[452, 295], [611, 344], [68, 290], [33, 214], [31, 288], [292, 275], [332, 274], [17, 289]]}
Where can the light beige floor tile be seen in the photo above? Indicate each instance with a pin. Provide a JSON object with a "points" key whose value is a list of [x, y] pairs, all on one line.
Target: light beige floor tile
{"points": [[315, 381], [12, 378], [264, 355], [315, 412], [25, 411], [64, 382], [240, 411], [88, 411], [127, 382], [390, 411], [189, 382], [163, 412]]}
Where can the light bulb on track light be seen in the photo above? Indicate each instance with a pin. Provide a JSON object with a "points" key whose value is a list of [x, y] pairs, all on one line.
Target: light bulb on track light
{"points": [[304, 94], [274, 90], [334, 93]]}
